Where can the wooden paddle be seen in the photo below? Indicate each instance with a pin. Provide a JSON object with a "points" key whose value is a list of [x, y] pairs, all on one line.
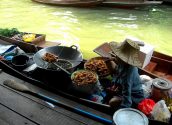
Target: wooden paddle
{"points": [[23, 88]]}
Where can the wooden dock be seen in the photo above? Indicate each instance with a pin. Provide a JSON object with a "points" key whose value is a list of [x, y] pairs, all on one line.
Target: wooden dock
{"points": [[17, 108]]}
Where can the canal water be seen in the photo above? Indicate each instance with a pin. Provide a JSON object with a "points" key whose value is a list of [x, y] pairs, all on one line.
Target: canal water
{"points": [[89, 27]]}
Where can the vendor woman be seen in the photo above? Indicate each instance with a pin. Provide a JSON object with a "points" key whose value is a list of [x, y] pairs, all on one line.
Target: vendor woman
{"points": [[125, 77]]}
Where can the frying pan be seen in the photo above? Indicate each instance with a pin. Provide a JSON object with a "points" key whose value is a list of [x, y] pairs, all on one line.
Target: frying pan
{"points": [[71, 54]]}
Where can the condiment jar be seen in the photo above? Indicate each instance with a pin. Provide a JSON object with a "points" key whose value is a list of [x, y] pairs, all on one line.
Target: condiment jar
{"points": [[160, 89]]}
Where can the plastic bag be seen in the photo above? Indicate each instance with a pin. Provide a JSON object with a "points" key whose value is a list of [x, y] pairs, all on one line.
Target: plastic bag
{"points": [[146, 85], [160, 112], [146, 106]]}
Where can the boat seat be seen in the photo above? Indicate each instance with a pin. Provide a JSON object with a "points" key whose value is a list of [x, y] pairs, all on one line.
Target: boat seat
{"points": [[168, 77], [158, 73], [151, 66]]}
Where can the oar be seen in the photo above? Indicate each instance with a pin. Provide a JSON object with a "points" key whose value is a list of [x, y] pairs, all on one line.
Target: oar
{"points": [[23, 88]]}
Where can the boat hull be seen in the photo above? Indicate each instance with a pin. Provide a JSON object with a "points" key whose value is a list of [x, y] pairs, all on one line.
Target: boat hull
{"points": [[129, 4], [71, 3]]}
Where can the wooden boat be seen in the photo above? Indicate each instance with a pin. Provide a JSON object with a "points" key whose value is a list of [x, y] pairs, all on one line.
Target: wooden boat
{"points": [[168, 1], [39, 39], [160, 65], [51, 85], [71, 3], [129, 3]]}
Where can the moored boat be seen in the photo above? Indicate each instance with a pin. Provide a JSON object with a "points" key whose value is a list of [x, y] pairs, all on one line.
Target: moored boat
{"points": [[168, 1], [129, 3], [71, 3], [160, 65], [65, 92]]}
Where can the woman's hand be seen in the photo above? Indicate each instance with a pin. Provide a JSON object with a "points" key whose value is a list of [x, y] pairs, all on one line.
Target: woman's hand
{"points": [[112, 90]]}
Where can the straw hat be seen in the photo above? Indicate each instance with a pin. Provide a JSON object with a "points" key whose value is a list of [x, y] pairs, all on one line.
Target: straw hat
{"points": [[127, 51]]}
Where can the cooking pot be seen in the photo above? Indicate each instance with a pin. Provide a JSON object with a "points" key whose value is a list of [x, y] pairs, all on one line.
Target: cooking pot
{"points": [[160, 89], [71, 54], [20, 61]]}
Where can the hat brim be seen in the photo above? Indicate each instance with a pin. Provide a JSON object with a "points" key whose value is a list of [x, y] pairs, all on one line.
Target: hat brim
{"points": [[128, 56]]}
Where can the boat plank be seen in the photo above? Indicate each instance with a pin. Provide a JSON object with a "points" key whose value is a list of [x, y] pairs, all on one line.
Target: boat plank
{"points": [[31, 106], [151, 66], [162, 56], [9, 117]]}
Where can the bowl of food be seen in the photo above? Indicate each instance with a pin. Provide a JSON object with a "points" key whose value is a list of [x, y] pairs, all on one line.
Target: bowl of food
{"points": [[98, 65], [84, 81]]}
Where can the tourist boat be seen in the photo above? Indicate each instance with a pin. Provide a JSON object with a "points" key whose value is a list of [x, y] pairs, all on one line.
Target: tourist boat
{"points": [[129, 3], [71, 3]]}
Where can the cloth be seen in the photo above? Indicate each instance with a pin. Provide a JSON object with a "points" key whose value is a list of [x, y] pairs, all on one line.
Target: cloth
{"points": [[6, 48], [8, 51], [130, 83]]}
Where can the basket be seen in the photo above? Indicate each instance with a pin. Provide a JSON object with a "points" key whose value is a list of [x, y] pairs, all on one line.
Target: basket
{"points": [[84, 88], [102, 68]]}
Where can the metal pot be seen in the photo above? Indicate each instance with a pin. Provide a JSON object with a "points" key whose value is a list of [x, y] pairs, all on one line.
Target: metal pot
{"points": [[70, 54], [55, 77], [160, 89]]}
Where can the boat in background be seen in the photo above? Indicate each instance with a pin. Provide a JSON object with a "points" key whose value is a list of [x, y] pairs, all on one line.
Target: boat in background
{"points": [[129, 3], [160, 65], [167, 1], [71, 3]]}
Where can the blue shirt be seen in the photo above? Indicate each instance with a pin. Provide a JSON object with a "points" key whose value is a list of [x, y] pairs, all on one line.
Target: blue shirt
{"points": [[128, 78]]}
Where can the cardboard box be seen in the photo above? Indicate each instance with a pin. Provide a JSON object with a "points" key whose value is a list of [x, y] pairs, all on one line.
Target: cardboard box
{"points": [[146, 52]]}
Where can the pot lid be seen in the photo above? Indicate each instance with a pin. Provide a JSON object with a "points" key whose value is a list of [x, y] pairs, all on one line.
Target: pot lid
{"points": [[129, 116], [162, 84]]}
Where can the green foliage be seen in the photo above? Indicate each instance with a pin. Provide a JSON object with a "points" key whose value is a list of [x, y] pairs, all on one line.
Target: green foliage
{"points": [[9, 32]]}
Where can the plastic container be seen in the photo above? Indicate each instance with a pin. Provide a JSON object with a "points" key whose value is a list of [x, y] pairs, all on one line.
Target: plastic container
{"points": [[129, 116], [160, 89]]}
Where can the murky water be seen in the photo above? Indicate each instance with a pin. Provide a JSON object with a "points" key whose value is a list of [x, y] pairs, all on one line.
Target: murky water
{"points": [[89, 27]]}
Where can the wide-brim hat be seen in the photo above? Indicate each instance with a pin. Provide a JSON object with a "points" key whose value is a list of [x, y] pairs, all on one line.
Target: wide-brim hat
{"points": [[127, 51]]}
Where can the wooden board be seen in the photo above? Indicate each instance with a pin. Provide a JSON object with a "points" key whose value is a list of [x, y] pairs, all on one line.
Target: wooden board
{"points": [[39, 111], [9, 117]]}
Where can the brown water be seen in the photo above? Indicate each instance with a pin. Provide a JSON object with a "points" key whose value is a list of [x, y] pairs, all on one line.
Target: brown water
{"points": [[89, 27]]}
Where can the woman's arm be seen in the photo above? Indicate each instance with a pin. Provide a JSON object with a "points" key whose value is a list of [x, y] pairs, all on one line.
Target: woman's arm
{"points": [[127, 87]]}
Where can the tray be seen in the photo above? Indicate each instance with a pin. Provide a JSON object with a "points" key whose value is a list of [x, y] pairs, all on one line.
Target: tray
{"points": [[39, 39]]}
